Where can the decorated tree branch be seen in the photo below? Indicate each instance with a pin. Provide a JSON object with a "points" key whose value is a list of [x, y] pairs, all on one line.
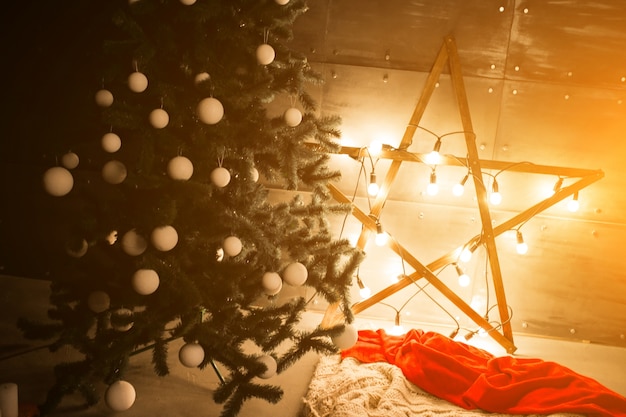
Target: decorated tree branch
{"points": [[163, 226]]}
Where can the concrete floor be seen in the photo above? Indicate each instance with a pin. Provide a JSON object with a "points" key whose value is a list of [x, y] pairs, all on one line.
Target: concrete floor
{"points": [[188, 392]]}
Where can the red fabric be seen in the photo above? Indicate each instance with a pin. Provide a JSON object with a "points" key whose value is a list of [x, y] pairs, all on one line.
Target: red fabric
{"points": [[473, 378]]}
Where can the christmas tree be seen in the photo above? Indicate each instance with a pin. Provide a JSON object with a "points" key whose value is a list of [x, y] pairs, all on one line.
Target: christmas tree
{"points": [[159, 218]]}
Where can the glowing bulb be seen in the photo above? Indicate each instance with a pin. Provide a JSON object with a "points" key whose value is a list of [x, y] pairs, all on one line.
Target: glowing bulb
{"points": [[464, 279], [365, 292], [375, 148], [466, 255], [432, 188], [381, 236], [521, 247], [459, 188], [381, 239], [433, 158], [495, 198], [372, 188], [573, 205]]}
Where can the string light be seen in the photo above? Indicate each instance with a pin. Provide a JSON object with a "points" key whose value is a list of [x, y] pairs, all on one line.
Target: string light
{"points": [[464, 279], [364, 291], [432, 188], [459, 188], [495, 197], [381, 236], [467, 251], [372, 188], [434, 157], [521, 247], [375, 148], [397, 328], [573, 205]]}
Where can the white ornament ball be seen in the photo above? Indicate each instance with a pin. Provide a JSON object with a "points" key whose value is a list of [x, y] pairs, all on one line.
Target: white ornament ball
{"points": [[210, 110], [254, 174], [133, 243], [202, 77], [80, 252], [220, 177], [232, 246], [270, 364], [98, 301], [164, 238], [187, 2], [145, 281], [191, 355], [120, 396], [104, 98], [347, 338], [272, 283], [282, 2], [137, 82], [265, 54], [159, 118], [126, 313], [180, 168], [70, 160], [58, 181], [114, 172], [295, 274], [293, 117], [111, 142]]}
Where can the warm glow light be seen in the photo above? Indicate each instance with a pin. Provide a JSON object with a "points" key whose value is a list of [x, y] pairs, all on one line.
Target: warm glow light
{"points": [[397, 331], [464, 279], [365, 292], [433, 158], [458, 190], [495, 198], [372, 189], [573, 205], [432, 188], [521, 247], [466, 255], [375, 148], [381, 238]]}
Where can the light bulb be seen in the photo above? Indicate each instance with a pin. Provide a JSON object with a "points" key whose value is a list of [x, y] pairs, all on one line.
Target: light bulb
{"points": [[459, 188], [372, 188], [573, 205], [381, 236], [375, 148], [464, 279], [466, 255], [365, 292], [495, 197], [521, 247], [432, 188], [434, 157]]}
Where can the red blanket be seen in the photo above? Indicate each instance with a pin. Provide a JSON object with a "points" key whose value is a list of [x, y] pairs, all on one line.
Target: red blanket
{"points": [[473, 378]]}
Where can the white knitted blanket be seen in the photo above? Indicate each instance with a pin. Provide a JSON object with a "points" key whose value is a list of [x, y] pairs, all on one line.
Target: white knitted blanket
{"points": [[350, 388]]}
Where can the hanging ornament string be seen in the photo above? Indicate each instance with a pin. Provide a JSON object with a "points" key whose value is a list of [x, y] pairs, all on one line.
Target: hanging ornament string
{"points": [[266, 35], [220, 157]]}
